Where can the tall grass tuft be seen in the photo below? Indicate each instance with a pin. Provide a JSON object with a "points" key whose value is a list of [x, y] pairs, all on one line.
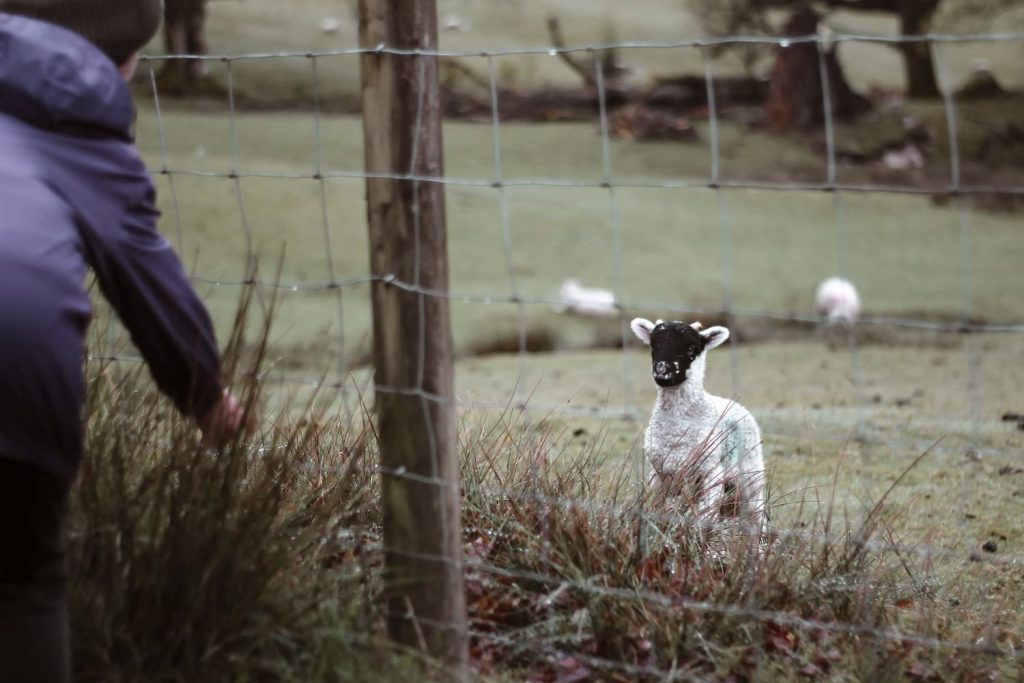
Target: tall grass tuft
{"points": [[570, 582], [248, 561]]}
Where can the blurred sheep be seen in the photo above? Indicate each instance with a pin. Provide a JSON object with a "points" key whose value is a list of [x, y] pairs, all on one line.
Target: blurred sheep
{"points": [[837, 301], [575, 298], [330, 25]]}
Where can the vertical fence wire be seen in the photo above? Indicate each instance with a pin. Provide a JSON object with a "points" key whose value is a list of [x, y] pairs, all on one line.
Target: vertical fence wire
{"points": [[158, 112], [843, 264], [971, 345], [506, 230], [614, 220], [332, 279], [236, 178], [724, 222], [725, 233]]}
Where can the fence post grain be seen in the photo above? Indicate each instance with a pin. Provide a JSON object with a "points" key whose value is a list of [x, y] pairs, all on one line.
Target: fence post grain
{"points": [[412, 333]]}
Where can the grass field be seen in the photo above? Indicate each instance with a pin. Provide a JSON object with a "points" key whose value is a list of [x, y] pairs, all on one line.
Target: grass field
{"points": [[250, 564], [831, 418], [679, 249], [703, 247]]}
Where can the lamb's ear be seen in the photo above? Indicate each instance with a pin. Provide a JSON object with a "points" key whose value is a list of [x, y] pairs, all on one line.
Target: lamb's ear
{"points": [[642, 329], [714, 336]]}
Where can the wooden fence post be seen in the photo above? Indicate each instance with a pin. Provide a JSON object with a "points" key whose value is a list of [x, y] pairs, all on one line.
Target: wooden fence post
{"points": [[415, 398]]}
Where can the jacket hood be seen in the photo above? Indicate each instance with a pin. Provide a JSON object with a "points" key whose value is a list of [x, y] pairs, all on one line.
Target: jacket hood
{"points": [[54, 79]]}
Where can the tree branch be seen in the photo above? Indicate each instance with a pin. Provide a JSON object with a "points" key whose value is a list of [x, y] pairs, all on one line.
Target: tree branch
{"points": [[865, 5], [555, 30]]}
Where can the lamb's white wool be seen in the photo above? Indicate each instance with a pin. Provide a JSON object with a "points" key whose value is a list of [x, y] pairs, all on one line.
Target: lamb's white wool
{"points": [[837, 300], [586, 300], [694, 439]]}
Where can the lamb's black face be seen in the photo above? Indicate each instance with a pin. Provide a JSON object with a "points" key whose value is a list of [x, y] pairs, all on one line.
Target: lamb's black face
{"points": [[674, 346]]}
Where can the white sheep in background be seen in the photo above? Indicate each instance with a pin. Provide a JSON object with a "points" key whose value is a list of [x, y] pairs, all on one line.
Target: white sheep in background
{"points": [[330, 25], [837, 301], [694, 440], [586, 300], [454, 22]]}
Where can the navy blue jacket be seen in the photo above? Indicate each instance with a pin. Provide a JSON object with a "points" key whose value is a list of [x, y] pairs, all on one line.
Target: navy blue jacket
{"points": [[74, 194]]}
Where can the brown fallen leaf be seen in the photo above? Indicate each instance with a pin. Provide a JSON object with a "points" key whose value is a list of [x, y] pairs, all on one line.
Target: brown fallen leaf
{"points": [[782, 643], [572, 671], [810, 670], [917, 670]]}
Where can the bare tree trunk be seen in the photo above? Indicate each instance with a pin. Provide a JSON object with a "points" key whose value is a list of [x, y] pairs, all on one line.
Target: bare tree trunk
{"points": [[413, 350], [915, 16], [795, 91], [185, 34]]}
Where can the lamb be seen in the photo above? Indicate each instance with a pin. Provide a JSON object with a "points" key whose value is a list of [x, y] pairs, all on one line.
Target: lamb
{"points": [[837, 301], [696, 441], [586, 300]]}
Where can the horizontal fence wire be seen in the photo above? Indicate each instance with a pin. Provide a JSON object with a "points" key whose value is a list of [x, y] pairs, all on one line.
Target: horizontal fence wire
{"points": [[781, 41], [872, 188]]}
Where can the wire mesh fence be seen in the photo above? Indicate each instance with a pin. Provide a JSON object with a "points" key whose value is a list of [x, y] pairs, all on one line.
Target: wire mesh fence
{"points": [[338, 292]]}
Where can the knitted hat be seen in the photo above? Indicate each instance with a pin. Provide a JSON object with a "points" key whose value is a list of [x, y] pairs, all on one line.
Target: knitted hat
{"points": [[118, 27]]}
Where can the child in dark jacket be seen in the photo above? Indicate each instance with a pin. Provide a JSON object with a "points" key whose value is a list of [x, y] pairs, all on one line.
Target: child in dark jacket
{"points": [[74, 194]]}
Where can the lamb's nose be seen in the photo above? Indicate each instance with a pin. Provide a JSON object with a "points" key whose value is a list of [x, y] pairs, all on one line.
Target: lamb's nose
{"points": [[661, 367]]}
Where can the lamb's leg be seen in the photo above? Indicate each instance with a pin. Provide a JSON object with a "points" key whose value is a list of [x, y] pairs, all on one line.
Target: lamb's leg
{"points": [[712, 498], [732, 501], [752, 503]]}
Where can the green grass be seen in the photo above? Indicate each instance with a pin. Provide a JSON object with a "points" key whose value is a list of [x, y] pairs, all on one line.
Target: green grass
{"points": [[261, 560], [765, 250], [815, 417], [800, 392]]}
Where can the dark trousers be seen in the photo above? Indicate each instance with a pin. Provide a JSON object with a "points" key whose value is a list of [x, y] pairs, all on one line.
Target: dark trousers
{"points": [[34, 640]]}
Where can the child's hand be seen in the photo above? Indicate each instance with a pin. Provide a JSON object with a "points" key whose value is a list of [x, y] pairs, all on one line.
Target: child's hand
{"points": [[223, 421]]}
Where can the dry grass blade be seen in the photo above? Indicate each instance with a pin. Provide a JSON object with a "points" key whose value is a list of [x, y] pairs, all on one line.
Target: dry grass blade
{"points": [[561, 584], [242, 562]]}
